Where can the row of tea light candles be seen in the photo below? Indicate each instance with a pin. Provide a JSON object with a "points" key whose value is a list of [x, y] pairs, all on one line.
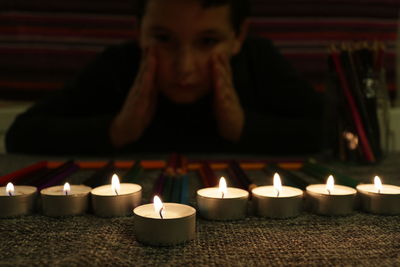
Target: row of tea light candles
{"points": [[172, 223]]}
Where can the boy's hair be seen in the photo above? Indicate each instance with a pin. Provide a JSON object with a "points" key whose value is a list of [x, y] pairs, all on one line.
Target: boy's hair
{"points": [[239, 10]]}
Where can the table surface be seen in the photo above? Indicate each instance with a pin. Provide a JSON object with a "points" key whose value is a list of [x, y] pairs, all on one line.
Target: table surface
{"points": [[359, 239]]}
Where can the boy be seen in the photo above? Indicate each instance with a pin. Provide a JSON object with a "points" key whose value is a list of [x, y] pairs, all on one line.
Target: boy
{"points": [[192, 83]]}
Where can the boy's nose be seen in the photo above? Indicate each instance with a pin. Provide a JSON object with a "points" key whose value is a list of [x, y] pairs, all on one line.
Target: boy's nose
{"points": [[185, 64]]}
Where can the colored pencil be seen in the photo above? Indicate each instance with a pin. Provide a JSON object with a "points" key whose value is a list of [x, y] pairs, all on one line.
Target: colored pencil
{"points": [[166, 193], [184, 180], [59, 177], [45, 175], [369, 156], [175, 191], [176, 188], [166, 184], [120, 164], [203, 176], [321, 173], [233, 180], [212, 177], [207, 175], [132, 175], [159, 184], [33, 176], [102, 176], [18, 175], [184, 198], [241, 176], [361, 99], [288, 177]]}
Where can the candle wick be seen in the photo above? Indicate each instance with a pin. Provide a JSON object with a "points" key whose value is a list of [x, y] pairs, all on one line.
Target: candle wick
{"points": [[10, 193], [161, 212], [379, 191], [116, 192], [222, 194], [66, 192], [277, 194], [329, 191]]}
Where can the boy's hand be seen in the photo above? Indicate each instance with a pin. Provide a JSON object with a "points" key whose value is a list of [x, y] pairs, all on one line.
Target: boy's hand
{"points": [[228, 111], [140, 104]]}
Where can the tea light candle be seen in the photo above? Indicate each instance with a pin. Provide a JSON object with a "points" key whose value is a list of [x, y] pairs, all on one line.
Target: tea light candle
{"points": [[17, 200], [116, 199], [330, 199], [66, 200], [379, 198], [222, 203], [164, 224], [277, 201]]}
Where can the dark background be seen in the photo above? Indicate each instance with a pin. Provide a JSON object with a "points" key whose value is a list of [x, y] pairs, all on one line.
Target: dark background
{"points": [[44, 43]]}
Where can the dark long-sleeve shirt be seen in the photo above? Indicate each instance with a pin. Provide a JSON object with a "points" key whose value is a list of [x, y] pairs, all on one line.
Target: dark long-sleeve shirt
{"points": [[283, 114]]}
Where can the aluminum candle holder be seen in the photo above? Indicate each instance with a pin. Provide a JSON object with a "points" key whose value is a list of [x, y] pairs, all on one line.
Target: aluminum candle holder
{"points": [[56, 201], [340, 201], [383, 201], [267, 203], [106, 202], [177, 225], [232, 206], [17, 200]]}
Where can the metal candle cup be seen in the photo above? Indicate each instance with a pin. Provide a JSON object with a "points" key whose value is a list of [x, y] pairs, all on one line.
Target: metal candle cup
{"points": [[232, 206], [57, 202], [107, 203], [339, 201], [385, 201], [177, 226], [267, 203], [20, 202]]}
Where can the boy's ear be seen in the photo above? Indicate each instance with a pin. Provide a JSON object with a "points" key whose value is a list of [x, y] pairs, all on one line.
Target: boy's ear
{"points": [[241, 36]]}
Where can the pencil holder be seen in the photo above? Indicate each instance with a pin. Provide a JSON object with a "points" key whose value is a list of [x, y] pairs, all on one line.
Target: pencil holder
{"points": [[359, 102]]}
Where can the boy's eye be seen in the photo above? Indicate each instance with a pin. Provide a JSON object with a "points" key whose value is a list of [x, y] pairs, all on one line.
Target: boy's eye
{"points": [[162, 38], [208, 41]]}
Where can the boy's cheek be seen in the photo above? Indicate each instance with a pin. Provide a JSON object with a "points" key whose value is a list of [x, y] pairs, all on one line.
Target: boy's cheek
{"points": [[164, 66], [164, 73], [163, 55]]}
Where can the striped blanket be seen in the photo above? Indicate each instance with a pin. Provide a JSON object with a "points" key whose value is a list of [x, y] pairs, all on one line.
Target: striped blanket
{"points": [[43, 43]]}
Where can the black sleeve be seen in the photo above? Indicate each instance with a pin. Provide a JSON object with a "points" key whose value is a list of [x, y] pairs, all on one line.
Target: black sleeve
{"points": [[284, 114], [77, 118]]}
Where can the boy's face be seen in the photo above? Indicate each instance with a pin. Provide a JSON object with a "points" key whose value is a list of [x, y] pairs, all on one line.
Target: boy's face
{"points": [[185, 36]]}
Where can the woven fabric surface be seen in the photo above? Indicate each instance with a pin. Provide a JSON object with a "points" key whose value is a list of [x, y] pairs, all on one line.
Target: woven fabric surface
{"points": [[357, 240]]}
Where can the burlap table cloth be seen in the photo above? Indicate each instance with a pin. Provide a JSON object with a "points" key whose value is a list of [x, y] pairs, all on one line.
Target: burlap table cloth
{"points": [[312, 240]]}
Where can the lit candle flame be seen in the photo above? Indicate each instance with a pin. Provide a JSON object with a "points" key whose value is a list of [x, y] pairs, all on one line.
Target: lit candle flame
{"points": [[330, 184], [10, 189], [277, 184], [222, 187], [115, 185], [158, 206], [378, 184], [67, 189]]}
